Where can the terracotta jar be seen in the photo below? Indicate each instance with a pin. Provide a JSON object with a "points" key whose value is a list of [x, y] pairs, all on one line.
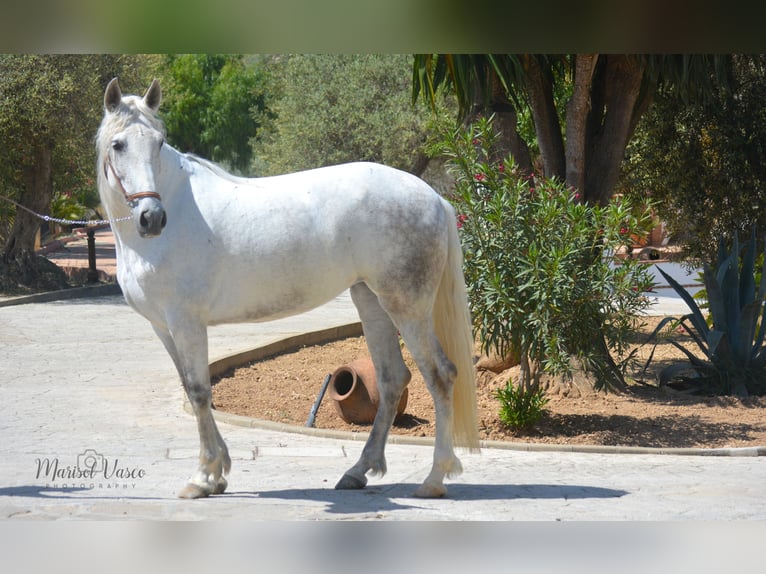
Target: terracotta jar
{"points": [[354, 391]]}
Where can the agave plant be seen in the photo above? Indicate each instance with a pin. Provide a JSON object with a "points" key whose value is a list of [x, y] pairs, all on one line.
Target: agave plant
{"points": [[731, 355]]}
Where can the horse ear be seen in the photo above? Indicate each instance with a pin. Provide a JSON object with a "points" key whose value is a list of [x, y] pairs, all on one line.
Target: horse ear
{"points": [[112, 95], [153, 96]]}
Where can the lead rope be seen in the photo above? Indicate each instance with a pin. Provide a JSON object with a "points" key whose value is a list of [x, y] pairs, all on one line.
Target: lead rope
{"points": [[67, 221], [129, 198]]}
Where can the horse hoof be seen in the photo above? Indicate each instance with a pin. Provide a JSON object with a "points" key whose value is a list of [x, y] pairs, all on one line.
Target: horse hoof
{"points": [[220, 486], [192, 490], [348, 482], [431, 491]]}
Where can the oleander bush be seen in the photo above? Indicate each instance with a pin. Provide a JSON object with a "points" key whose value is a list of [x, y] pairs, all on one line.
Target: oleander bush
{"points": [[542, 268]]}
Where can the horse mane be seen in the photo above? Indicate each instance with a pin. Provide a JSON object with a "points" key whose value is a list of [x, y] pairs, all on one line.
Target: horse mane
{"points": [[218, 170]]}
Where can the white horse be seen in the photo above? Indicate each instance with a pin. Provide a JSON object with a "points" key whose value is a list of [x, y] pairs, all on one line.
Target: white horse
{"points": [[197, 246]]}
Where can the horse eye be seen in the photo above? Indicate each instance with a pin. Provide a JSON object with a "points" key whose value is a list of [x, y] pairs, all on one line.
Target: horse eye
{"points": [[118, 145]]}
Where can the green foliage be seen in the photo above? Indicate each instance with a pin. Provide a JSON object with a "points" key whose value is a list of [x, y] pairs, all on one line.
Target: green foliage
{"points": [[521, 408], [55, 102], [213, 106], [338, 108], [732, 354], [539, 264], [703, 160]]}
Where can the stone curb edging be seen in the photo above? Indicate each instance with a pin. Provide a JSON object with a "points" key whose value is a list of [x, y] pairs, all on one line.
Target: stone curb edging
{"points": [[101, 290], [220, 366]]}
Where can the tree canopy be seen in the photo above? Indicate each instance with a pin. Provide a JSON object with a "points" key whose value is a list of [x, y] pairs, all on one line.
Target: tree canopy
{"points": [[338, 108], [213, 105], [50, 107], [704, 160]]}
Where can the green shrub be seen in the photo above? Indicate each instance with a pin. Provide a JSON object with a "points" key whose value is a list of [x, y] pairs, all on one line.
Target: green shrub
{"points": [[731, 355], [540, 265], [521, 408]]}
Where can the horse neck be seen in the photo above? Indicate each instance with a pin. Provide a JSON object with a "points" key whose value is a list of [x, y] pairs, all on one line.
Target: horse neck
{"points": [[173, 176]]}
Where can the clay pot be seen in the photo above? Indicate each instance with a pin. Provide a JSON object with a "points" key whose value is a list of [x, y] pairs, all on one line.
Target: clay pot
{"points": [[353, 389]]}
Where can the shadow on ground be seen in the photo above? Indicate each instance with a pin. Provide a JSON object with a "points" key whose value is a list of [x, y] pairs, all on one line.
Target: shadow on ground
{"points": [[379, 498]]}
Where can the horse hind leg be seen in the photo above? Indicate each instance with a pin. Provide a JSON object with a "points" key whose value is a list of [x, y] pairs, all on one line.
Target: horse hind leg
{"points": [[392, 377], [439, 374]]}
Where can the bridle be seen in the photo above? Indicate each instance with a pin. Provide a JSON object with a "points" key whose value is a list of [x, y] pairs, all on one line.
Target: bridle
{"points": [[129, 197]]}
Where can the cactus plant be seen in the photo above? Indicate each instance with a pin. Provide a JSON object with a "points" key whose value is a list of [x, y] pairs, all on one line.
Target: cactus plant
{"points": [[733, 355]]}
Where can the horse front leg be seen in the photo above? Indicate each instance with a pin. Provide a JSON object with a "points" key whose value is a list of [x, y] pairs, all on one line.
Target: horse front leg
{"points": [[187, 346]]}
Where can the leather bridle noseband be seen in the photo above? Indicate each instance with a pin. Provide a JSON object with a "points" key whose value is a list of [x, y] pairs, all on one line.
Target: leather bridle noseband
{"points": [[129, 197]]}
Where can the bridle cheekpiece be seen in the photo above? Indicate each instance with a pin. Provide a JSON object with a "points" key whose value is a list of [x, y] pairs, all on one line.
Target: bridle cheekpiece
{"points": [[129, 197]]}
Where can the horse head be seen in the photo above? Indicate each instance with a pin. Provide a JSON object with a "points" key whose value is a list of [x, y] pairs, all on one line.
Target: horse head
{"points": [[130, 142]]}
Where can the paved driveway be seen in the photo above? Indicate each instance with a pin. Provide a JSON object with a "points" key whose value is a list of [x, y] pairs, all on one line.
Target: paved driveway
{"points": [[88, 378]]}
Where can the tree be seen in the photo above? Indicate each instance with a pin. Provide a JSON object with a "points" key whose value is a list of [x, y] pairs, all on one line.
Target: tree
{"points": [[584, 107], [213, 105], [338, 108], [50, 107], [703, 161]]}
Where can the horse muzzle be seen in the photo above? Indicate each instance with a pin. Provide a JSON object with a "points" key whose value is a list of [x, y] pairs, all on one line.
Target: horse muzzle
{"points": [[150, 217]]}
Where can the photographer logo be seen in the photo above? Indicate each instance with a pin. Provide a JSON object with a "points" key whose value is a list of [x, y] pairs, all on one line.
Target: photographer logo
{"points": [[89, 459], [91, 470]]}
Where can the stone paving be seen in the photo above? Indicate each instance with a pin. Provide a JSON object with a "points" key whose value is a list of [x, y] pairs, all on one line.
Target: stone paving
{"points": [[87, 377]]}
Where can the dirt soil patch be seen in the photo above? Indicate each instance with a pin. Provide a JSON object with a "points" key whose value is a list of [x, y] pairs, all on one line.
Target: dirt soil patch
{"points": [[284, 388], [32, 274]]}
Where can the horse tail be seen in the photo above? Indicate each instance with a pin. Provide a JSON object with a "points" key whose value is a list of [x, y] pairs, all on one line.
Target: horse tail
{"points": [[452, 321]]}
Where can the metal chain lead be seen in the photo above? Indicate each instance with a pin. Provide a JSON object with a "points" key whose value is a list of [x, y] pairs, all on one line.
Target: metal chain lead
{"points": [[67, 221]]}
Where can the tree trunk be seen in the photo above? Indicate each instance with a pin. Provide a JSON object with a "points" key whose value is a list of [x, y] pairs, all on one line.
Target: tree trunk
{"points": [[36, 195], [419, 163], [578, 108], [529, 373], [505, 122], [612, 120], [539, 84], [608, 378]]}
